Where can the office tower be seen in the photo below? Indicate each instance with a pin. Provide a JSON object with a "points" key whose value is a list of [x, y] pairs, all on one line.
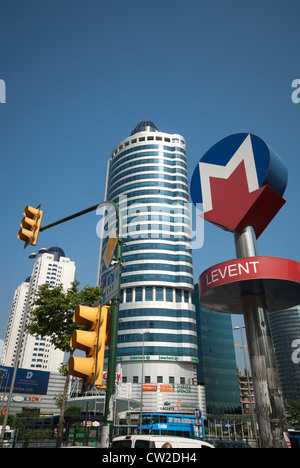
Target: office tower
{"points": [[54, 268], [217, 369], [147, 178], [13, 329], [285, 328]]}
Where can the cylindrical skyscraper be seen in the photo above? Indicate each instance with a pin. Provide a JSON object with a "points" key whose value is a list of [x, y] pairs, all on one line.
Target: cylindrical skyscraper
{"points": [[147, 178], [285, 327]]}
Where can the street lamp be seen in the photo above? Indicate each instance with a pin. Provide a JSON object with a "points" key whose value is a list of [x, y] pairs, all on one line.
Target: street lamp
{"points": [[32, 255], [248, 382], [41, 251], [143, 357]]}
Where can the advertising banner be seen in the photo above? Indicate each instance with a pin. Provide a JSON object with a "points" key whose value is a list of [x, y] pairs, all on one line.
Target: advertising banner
{"points": [[27, 381]]}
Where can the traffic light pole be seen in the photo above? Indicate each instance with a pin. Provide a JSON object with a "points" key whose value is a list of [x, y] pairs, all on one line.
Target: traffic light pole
{"points": [[75, 215], [108, 426]]}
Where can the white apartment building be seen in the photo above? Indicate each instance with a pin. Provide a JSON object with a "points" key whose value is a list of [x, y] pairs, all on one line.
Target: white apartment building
{"points": [[14, 324], [54, 268]]}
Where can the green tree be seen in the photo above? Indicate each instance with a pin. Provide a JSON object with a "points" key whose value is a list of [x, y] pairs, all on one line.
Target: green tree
{"points": [[52, 316], [292, 408]]}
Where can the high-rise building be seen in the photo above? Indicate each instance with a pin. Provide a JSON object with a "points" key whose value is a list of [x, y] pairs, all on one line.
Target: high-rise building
{"points": [[147, 178], [217, 369], [285, 328], [52, 267], [14, 325]]}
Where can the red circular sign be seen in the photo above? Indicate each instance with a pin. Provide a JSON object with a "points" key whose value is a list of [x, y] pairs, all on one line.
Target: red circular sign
{"points": [[223, 285]]}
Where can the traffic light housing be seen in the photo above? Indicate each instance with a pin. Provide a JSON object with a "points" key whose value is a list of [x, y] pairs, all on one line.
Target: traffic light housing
{"points": [[30, 225], [92, 342]]}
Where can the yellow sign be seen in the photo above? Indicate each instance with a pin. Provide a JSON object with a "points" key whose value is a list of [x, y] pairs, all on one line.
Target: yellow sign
{"points": [[110, 248]]}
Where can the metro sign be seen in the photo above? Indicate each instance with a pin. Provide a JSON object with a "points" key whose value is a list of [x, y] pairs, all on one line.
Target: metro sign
{"points": [[277, 279], [240, 182]]}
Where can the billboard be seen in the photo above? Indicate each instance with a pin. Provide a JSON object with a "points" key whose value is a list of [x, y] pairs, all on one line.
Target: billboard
{"points": [[27, 380]]}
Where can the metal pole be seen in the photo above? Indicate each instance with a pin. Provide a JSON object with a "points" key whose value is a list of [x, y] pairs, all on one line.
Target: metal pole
{"points": [[266, 385], [143, 359], [85, 437], [11, 390], [68, 218], [82, 212], [141, 410], [108, 426]]}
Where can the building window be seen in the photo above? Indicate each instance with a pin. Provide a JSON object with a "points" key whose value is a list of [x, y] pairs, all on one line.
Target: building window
{"points": [[169, 294], [135, 379], [186, 296], [159, 379], [171, 380], [129, 295], [159, 294], [149, 294], [147, 379], [138, 294], [178, 295]]}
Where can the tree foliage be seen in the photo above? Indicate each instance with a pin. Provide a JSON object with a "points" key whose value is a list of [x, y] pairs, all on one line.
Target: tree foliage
{"points": [[293, 413], [52, 316], [53, 308]]}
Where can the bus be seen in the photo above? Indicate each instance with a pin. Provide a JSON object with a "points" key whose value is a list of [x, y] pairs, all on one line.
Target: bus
{"points": [[294, 437], [182, 425]]}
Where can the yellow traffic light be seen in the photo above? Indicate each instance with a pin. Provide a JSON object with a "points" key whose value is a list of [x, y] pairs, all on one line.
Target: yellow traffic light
{"points": [[92, 342], [30, 225]]}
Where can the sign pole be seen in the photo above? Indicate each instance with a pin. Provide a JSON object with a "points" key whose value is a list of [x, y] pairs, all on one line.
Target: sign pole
{"points": [[266, 385], [108, 426], [240, 182]]}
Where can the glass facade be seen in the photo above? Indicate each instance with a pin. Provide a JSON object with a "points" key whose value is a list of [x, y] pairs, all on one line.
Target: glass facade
{"points": [[147, 178], [285, 328], [217, 368]]}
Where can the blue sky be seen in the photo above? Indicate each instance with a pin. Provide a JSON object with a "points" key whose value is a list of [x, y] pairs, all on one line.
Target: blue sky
{"points": [[81, 74]]}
